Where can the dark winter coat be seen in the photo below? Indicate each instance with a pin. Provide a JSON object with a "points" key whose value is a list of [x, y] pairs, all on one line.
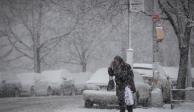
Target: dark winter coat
{"points": [[123, 78]]}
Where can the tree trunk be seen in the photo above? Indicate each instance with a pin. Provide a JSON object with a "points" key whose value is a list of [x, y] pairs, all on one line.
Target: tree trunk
{"points": [[37, 63], [183, 64], [36, 37], [189, 76], [84, 67], [182, 68]]}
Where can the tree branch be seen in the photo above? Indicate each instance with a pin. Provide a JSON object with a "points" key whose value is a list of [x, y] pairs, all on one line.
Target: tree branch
{"points": [[170, 18], [17, 49], [7, 53], [18, 57]]}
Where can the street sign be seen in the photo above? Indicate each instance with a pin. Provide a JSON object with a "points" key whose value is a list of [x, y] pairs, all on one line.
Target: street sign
{"points": [[155, 17], [159, 33], [137, 5]]}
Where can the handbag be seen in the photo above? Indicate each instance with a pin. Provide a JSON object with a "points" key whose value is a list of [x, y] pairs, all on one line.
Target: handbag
{"points": [[111, 85]]}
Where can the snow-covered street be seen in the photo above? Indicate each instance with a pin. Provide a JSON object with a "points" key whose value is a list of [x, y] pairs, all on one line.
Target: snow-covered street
{"points": [[71, 104]]}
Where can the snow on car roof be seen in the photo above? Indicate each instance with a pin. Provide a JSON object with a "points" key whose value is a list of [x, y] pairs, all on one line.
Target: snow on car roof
{"points": [[79, 78], [144, 72], [27, 78], [142, 65], [100, 77], [144, 69], [54, 75]]}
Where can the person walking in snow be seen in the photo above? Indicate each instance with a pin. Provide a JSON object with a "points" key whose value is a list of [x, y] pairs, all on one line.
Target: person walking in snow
{"points": [[124, 78]]}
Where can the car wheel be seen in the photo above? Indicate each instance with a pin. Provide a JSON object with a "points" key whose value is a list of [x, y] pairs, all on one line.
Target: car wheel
{"points": [[61, 92], [17, 93], [73, 93], [102, 105], [32, 91], [49, 91], [88, 104]]}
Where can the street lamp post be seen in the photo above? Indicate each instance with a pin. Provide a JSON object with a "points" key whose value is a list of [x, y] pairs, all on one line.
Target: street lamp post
{"points": [[129, 50], [134, 6]]}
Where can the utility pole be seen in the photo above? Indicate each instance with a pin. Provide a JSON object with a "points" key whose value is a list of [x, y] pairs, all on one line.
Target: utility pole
{"points": [[155, 18]]}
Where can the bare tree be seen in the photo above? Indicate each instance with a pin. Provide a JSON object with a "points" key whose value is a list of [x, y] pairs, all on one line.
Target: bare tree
{"points": [[180, 14], [81, 45], [30, 15]]}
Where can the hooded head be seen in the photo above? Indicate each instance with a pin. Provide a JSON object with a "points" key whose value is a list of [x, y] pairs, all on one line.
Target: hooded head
{"points": [[117, 63], [118, 60]]}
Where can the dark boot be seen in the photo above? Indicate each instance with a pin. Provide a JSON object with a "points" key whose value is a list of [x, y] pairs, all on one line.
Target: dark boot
{"points": [[130, 108], [122, 110]]}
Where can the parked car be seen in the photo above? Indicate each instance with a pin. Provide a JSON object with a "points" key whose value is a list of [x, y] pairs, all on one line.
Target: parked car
{"points": [[53, 83], [146, 71], [68, 87], [27, 81], [9, 89], [97, 93]]}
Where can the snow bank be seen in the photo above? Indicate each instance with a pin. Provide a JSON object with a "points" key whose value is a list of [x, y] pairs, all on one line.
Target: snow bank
{"points": [[156, 97]]}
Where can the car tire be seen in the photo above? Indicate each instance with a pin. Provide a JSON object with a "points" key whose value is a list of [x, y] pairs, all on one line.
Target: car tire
{"points": [[62, 92], [32, 91], [88, 104], [102, 105], [17, 93], [49, 91]]}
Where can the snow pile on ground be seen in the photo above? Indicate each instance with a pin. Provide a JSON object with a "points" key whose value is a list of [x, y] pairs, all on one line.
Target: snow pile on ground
{"points": [[156, 97]]}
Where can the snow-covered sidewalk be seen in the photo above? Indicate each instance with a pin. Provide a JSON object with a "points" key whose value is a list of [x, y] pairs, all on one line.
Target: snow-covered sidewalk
{"points": [[185, 107]]}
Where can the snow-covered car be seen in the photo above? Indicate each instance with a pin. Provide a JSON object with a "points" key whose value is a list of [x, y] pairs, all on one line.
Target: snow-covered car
{"points": [[68, 87], [146, 71], [53, 83], [27, 81], [9, 89], [97, 93]]}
